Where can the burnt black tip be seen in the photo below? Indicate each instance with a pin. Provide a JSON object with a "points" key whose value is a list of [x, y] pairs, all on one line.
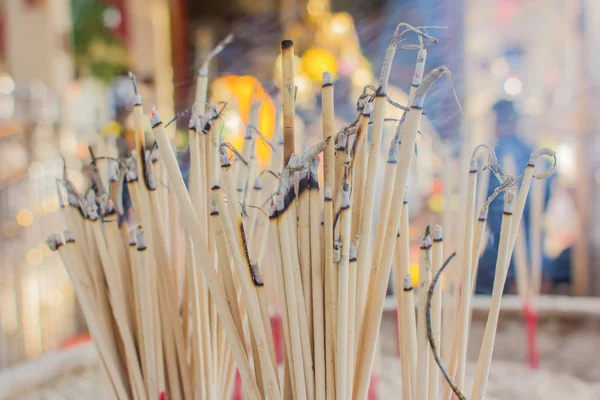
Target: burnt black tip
{"points": [[286, 44], [408, 289]]}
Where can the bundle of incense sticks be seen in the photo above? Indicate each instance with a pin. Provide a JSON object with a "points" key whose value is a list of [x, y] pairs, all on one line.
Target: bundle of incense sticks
{"points": [[176, 305]]}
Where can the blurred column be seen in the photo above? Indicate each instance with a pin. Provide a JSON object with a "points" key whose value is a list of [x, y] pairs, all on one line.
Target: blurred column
{"points": [[38, 39], [150, 50], [586, 251]]}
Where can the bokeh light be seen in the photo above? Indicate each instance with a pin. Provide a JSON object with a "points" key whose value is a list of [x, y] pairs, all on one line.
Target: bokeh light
{"points": [[24, 217]]}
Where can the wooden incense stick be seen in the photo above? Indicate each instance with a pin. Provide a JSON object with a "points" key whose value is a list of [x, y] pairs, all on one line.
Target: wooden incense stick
{"points": [[374, 306], [341, 355], [436, 312], [288, 94], [487, 346], [422, 345], [204, 259], [330, 272]]}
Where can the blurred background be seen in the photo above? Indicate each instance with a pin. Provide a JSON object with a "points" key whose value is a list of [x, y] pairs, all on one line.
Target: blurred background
{"points": [[64, 86]]}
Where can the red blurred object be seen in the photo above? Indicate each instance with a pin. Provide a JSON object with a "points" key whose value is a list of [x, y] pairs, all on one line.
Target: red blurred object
{"points": [[237, 386], [438, 186], [163, 396], [76, 341], [533, 351], [277, 327], [373, 388]]}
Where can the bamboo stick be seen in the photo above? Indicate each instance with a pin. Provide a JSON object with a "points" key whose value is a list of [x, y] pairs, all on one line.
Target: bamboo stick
{"points": [[374, 306], [341, 354], [204, 259], [328, 266], [289, 89], [436, 312], [317, 281], [487, 346], [422, 345]]}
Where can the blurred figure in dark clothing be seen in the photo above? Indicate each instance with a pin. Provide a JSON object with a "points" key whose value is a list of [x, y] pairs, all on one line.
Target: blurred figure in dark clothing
{"points": [[508, 143]]}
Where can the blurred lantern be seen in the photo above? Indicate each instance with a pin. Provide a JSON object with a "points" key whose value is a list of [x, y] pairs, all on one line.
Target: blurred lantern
{"points": [[338, 33], [112, 128], [240, 92], [316, 61]]}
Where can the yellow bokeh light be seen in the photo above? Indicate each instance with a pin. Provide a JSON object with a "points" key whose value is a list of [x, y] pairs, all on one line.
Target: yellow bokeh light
{"points": [[50, 204], [361, 77], [414, 274], [240, 92], [24, 217], [34, 257], [341, 23], [436, 203], [316, 61]]}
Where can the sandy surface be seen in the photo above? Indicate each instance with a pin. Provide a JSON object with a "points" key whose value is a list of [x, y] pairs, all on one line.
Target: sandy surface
{"points": [[508, 381]]}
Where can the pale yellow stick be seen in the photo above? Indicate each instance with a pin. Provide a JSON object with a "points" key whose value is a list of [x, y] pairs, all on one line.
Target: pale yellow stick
{"points": [[460, 333], [307, 362], [341, 355], [351, 312], [328, 266], [150, 370], [360, 160], [250, 282], [81, 284], [375, 303], [408, 320], [297, 366], [288, 94], [436, 312], [487, 346], [305, 251], [278, 265], [422, 343], [365, 265], [226, 272], [118, 303], [317, 282], [402, 331], [204, 258], [537, 205]]}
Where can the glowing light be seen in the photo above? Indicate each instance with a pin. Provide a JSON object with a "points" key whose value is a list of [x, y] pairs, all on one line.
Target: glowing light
{"points": [[567, 166], [414, 274], [24, 217], [513, 86], [499, 67], [316, 61], [7, 85], [233, 121], [10, 229], [34, 257], [111, 17], [361, 77], [50, 204], [341, 23], [436, 203]]}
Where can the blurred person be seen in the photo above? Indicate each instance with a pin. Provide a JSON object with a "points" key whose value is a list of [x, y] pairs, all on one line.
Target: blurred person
{"points": [[508, 144]]}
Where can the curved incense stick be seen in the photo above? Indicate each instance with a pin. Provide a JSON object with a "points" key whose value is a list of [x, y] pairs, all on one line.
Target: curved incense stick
{"points": [[422, 347], [436, 311]]}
